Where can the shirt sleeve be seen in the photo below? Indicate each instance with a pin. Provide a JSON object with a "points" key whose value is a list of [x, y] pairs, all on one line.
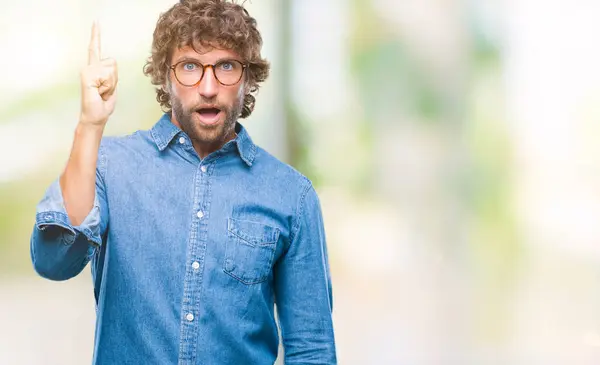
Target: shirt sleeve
{"points": [[303, 289], [59, 250]]}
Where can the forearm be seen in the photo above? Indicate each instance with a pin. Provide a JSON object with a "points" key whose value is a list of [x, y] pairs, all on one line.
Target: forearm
{"points": [[79, 177], [60, 250], [63, 239]]}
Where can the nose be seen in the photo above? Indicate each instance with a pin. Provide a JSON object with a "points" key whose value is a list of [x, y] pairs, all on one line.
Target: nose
{"points": [[208, 86]]}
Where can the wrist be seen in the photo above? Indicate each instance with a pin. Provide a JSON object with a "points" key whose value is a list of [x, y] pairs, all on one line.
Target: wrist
{"points": [[92, 121], [91, 129]]}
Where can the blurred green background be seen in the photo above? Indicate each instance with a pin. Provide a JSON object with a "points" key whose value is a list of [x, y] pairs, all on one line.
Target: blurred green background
{"points": [[453, 144]]}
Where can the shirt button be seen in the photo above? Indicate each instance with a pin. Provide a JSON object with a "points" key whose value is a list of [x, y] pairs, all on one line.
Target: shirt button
{"points": [[189, 317], [203, 168], [181, 140], [195, 265], [200, 214]]}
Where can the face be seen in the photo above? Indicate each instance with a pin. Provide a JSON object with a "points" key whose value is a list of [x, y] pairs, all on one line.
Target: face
{"points": [[207, 111]]}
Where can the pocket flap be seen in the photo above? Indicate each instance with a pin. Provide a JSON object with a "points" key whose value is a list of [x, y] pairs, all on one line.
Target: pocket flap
{"points": [[253, 232]]}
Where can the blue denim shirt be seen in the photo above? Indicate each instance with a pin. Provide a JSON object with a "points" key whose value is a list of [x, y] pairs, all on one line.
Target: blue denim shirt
{"points": [[190, 257]]}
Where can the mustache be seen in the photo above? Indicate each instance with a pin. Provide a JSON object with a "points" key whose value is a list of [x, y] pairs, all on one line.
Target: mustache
{"points": [[205, 103]]}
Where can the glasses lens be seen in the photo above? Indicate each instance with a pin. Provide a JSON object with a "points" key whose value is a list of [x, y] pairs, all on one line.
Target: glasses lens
{"points": [[229, 72], [188, 73]]}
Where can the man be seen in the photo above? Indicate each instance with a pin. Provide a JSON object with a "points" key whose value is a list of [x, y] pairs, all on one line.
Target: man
{"points": [[193, 233]]}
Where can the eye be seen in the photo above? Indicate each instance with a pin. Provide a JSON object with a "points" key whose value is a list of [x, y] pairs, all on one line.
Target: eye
{"points": [[188, 66], [226, 66]]}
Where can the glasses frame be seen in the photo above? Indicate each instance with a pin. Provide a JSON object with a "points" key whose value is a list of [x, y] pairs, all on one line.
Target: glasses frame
{"points": [[204, 67]]}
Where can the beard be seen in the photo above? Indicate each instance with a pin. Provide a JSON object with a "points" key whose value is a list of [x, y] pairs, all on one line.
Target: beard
{"points": [[216, 134]]}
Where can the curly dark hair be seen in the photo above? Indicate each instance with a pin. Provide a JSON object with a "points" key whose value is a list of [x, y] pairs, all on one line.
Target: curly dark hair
{"points": [[214, 23]]}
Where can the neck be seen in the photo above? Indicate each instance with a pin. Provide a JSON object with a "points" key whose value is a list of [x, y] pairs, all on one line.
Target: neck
{"points": [[204, 149]]}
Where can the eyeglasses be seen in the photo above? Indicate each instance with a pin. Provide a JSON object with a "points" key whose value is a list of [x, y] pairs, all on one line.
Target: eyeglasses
{"points": [[190, 73]]}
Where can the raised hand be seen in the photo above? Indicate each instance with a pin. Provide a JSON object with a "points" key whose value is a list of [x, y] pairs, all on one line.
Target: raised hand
{"points": [[98, 84]]}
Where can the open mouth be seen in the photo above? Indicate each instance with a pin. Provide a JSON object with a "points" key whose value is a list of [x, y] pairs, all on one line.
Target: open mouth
{"points": [[209, 115]]}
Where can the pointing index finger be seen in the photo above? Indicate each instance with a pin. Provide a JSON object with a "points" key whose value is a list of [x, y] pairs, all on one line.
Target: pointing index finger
{"points": [[94, 48]]}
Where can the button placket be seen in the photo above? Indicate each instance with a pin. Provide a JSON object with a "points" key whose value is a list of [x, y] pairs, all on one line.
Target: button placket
{"points": [[191, 314]]}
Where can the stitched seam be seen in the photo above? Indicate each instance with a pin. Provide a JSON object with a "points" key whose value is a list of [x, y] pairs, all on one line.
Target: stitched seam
{"points": [[253, 244], [246, 282], [103, 166], [156, 139], [299, 212]]}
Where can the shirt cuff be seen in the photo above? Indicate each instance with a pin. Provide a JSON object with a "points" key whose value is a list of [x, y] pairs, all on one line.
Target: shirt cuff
{"points": [[51, 211]]}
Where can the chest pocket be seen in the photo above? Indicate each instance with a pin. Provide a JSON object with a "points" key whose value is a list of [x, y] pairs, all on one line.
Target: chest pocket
{"points": [[249, 250]]}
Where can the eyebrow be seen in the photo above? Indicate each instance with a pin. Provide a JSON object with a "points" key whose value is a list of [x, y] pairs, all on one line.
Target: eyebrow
{"points": [[193, 59]]}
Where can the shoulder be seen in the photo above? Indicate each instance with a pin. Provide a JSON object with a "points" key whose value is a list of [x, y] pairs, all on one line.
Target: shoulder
{"points": [[135, 143], [295, 189], [277, 171], [126, 149]]}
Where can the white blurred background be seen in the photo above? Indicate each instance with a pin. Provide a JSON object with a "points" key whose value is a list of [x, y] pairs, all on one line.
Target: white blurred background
{"points": [[454, 145]]}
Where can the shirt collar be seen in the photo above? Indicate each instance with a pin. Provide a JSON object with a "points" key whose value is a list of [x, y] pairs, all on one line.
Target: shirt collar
{"points": [[164, 131]]}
